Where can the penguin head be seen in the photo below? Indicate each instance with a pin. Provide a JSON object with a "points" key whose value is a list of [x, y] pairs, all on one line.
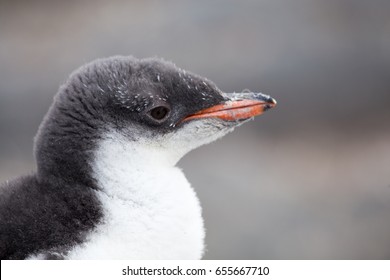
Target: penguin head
{"points": [[149, 103]]}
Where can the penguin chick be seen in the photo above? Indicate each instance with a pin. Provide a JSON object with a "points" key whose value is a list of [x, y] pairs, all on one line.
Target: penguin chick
{"points": [[106, 184]]}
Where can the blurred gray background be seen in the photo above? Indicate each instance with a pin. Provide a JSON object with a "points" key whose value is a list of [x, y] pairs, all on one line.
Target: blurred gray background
{"points": [[310, 179]]}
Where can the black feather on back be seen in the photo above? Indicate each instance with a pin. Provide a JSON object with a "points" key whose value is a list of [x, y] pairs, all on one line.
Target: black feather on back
{"points": [[47, 217]]}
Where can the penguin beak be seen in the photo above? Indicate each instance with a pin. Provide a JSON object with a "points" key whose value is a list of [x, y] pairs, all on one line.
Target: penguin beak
{"points": [[238, 107]]}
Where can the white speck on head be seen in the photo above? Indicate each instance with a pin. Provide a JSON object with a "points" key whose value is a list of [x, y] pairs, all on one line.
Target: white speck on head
{"points": [[158, 77], [100, 88]]}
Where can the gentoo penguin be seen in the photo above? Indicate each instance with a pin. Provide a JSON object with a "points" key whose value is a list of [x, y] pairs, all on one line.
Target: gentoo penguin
{"points": [[106, 185]]}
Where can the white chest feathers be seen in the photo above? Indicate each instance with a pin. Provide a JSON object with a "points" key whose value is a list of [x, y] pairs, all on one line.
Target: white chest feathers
{"points": [[150, 209]]}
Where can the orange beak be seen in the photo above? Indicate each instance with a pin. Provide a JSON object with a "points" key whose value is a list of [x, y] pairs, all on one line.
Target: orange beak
{"points": [[235, 110]]}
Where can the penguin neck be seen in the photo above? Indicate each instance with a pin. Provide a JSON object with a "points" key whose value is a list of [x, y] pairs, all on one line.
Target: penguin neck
{"points": [[124, 168], [64, 155]]}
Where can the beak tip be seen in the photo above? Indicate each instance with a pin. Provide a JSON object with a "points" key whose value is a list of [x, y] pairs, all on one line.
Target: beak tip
{"points": [[270, 103]]}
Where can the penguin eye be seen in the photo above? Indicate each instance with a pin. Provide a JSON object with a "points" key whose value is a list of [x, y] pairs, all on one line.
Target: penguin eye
{"points": [[159, 113]]}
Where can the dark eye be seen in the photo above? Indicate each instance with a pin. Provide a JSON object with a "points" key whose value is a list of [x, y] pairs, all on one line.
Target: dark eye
{"points": [[159, 113]]}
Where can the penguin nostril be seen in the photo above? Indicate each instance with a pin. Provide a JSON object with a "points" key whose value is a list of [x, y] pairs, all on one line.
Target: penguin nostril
{"points": [[159, 112]]}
